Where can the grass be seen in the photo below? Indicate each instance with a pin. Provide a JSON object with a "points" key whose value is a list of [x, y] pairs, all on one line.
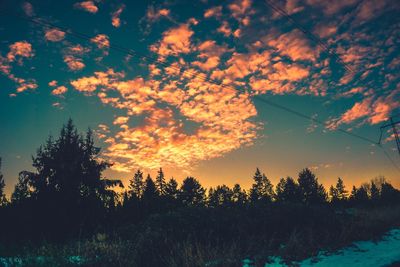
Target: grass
{"points": [[190, 238]]}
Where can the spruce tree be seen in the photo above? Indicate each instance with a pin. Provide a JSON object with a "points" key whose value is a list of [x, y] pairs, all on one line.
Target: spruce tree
{"points": [[239, 196], [160, 182], [171, 189], [312, 192], [136, 185], [191, 192], [262, 189]]}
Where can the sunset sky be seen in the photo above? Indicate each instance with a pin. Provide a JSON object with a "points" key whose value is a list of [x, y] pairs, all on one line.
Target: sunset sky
{"points": [[185, 97]]}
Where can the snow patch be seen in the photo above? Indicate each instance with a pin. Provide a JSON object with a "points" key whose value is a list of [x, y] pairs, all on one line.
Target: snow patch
{"points": [[360, 254]]}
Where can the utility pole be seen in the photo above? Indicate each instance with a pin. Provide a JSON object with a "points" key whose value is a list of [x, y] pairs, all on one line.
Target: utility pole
{"points": [[396, 134]]}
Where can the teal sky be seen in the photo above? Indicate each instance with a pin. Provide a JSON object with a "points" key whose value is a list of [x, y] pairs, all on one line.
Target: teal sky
{"points": [[164, 106]]}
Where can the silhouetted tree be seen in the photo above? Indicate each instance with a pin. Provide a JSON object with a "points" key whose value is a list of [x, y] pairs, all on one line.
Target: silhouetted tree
{"points": [[311, 191], [359, 196], [22, 190], [389, 194], [160, 182], [338, 193], [150, 195], [3, 199], [287, 190], [68, 184], [239, 195], [262, 189], [221, 196], [191, 192], [171, 189], [136, 185], [374, 192]]}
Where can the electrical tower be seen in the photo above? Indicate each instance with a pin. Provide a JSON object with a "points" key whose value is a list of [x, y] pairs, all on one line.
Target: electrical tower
{"points": [[396, 134]]}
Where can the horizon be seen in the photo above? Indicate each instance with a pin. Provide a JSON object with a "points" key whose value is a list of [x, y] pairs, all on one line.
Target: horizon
{"points": [[164, 105]]}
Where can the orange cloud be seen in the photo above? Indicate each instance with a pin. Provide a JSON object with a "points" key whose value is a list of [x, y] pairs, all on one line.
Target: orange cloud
{"points": [[115, 17], [213, 12], [26, 85], [121, 120], [294, 45], [153, 14], [22, 49], [54, 35], [373, 110], [209, 64], [59, 90], [175, 41], [240, 8], [222, 117], [73, 63], [88, 6], [101, 40], [289, 72], [53, 83]]}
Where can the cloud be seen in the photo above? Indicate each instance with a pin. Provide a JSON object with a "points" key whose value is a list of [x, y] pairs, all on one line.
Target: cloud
{"points": [[154, 14], [101, 40], [28, 9], [73, 63], [213, 12], [60, 90], [22, 49], [209, 64], [221, 117], [53, 83], [54, 35], [121, 120], [175, 41], [225, 29], [332, 7], [77, 50], [289, 72], [293, 6], [88, 6], [115, 16], [373, 110], [26, 85], [240, 8], [294, 45]]}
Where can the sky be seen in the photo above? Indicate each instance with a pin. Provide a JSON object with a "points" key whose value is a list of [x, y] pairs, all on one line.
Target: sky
{"points": [[177, 84]]}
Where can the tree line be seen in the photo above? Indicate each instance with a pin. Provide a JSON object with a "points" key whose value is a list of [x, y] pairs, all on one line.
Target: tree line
{"points": [[68, 191]]}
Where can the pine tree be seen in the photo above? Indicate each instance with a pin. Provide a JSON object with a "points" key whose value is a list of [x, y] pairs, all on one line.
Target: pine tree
{"points": [[150, 195], [374, 192], [221, 196], [171, 189], [22, 190], [160, 182], [69, 168], [333, 194], [341, 190], [312, 192], [191, 192], [287, 190], [239, 196], [136, 185], [262, 189]]}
